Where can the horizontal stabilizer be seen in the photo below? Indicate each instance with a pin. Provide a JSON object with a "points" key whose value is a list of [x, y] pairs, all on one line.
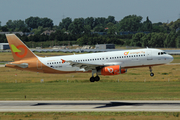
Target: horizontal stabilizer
{"points": [[22, 65]]}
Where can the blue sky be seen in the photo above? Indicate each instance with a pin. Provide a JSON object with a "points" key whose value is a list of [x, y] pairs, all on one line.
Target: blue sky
{"points": [[156, 10]]}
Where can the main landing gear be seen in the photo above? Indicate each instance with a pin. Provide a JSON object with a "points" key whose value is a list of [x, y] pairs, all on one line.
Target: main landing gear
{"points": [[92, 79], [97, 78], [151, 74]]}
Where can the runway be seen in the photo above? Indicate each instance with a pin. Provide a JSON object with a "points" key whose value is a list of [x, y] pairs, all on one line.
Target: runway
{"points": [[2, 65], [75, 106]]}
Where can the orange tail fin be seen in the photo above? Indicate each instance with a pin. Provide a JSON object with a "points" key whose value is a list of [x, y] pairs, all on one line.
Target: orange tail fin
{"points": [[19, 50]]}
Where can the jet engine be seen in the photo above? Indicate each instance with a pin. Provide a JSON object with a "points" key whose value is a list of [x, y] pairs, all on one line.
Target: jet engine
{"points": [[111, 70]]}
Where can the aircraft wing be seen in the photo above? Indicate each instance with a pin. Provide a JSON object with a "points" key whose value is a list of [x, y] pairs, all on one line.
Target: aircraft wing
{"points": [[86, 66], [89, 66]]}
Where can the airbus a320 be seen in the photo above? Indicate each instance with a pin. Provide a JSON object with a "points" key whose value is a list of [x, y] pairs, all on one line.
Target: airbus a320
{"points": [[103, 63]]}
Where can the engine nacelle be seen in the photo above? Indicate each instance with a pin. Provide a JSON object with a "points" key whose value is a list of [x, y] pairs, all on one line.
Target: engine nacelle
{"points": [[111, 70]]}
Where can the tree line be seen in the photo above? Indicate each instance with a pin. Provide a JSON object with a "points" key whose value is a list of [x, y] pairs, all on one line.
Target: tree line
{"points": [[80, 31]]}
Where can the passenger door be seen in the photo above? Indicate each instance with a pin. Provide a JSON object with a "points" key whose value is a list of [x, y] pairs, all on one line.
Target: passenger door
{"points": [[149, 55]]}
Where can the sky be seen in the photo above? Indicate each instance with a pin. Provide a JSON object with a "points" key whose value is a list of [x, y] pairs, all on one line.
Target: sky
{"points": [[156, 10]]}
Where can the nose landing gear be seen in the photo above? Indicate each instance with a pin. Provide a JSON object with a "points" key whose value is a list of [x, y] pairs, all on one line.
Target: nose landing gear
{"points": [[151, 74]]}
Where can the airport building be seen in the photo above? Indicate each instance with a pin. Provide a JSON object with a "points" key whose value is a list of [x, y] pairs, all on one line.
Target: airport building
{"points": [[105, 46], [4, 46]]}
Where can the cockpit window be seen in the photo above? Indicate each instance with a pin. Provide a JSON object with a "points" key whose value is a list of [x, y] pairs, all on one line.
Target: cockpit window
{"points": [[161, 53]]}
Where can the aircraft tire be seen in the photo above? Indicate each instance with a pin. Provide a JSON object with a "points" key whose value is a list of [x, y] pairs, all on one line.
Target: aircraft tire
{"points": [[151, 74], [92, 79], [97, 78]]}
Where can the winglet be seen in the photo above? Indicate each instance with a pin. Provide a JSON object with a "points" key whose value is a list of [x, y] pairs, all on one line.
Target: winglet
{"points": [[63, 61]]}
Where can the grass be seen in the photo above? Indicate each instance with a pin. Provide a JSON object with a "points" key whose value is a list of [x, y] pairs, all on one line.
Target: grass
{"points": [[83, 90], [136, 84], [162, 73], [89, 115]]}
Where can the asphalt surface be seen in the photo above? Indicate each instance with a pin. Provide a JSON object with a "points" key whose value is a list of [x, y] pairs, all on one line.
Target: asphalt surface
{"points": [[75, 106], [2, 65]]}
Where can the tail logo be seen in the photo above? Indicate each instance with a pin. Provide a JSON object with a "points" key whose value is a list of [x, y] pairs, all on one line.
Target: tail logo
{"points": [[19, 49]]}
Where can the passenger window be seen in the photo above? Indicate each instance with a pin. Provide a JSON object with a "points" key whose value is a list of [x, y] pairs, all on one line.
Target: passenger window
{"points": [[124, 56], [158, 53]]}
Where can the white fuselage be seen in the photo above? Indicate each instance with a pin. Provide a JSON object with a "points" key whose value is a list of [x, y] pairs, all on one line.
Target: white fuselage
{"points": [[124, 58]]}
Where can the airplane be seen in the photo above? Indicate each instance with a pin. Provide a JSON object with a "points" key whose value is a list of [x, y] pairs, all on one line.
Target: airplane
{"points": [[103, 63]]}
